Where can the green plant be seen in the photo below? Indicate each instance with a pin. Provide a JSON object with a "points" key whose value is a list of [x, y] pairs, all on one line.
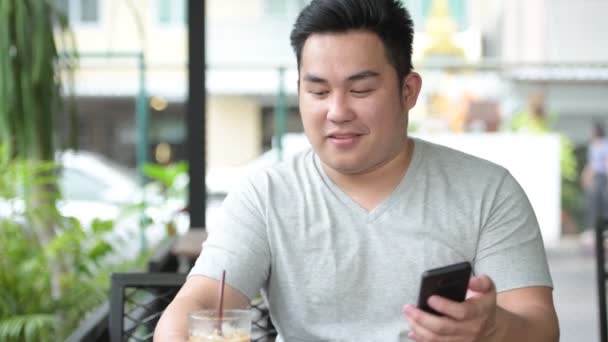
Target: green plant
{"points": [[32, 76], [167, 175], [52, 269], [31, 104], [29, 310], [171, 181]]}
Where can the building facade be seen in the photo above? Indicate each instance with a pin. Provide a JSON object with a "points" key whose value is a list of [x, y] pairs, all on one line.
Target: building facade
{"points": [[247, 44]]}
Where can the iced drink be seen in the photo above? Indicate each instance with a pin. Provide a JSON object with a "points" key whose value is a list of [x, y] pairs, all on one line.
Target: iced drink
{"points": [[219, 339], [205, 325]]}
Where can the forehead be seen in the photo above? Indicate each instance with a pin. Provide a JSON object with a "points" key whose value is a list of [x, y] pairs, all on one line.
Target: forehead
{"points": [[346, 51]]}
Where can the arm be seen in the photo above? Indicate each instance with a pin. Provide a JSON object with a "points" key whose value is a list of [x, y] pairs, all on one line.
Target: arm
{"points": [[525, 314], [587, 177], [239, 245], [198, 293]]}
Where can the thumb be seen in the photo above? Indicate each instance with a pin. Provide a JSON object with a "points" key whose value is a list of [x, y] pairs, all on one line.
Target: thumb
{"points": [[482, 284]]}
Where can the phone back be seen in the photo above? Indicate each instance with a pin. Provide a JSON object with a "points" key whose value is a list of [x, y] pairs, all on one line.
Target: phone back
{"points": [[451, 282]]}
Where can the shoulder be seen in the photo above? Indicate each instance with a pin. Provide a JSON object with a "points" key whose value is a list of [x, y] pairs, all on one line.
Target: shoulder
{"points": [[271, 186], [281, 176], [289, 170], [457, 163]]}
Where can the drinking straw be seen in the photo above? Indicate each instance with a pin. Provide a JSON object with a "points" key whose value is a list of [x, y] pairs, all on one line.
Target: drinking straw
{"points": [[220, 305]]}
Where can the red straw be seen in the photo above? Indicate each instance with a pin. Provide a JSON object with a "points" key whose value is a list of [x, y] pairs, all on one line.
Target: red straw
{"points": [[220, 305]]}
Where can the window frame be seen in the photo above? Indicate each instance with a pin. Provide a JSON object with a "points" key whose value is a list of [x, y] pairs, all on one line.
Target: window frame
{"points": [[291, 8], [173, 22], [74, 15]]}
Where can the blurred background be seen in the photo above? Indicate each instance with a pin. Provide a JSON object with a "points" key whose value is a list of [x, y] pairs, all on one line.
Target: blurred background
{"points": [[488, 67], [518, 82]]}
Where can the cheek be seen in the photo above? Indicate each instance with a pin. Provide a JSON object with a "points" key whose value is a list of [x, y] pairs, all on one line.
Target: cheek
{"points": [[373, 113], [312, 112], [383, 117]]}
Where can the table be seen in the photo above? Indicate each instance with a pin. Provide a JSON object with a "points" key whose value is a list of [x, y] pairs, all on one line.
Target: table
{"points": [[188, 246]]}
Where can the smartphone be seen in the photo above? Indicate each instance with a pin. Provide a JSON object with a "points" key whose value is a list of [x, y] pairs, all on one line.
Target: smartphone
{"points": [[450, 282]]}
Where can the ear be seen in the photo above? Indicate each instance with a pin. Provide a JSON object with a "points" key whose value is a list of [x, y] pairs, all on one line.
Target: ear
{"points": [[410, 90]]}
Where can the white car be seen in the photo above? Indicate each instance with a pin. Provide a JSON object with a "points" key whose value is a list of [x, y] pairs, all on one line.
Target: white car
{"points": [[93, 187]]}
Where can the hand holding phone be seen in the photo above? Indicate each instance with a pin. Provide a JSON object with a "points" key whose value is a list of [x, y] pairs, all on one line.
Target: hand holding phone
{"points": [[450, 282]]}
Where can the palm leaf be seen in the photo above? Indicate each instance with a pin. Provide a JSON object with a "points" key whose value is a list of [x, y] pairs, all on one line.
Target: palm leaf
{"points": [[32, 327], [32, 75]]}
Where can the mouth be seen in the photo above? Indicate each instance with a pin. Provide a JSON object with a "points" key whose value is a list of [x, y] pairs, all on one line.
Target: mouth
{"points": [[344, 140], [347, 136], [344, 135]]}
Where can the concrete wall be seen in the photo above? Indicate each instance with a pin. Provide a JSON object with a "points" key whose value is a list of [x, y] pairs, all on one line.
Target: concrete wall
{"points": [[234, 131], [524, 33], [554, 31], [576, 31]]}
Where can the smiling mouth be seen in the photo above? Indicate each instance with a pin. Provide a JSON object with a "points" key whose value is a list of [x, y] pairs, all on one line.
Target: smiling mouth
{"points": [[344, 141], [344, 136]]}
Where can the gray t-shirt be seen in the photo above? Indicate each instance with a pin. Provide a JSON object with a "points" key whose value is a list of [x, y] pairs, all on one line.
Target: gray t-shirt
{"points": [[332, 270]]}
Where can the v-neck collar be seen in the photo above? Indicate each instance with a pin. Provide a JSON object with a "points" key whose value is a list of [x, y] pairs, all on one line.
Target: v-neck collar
{"points": [[394, 196]]}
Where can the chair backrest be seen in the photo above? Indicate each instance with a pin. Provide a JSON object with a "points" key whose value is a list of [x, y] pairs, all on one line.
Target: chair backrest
{"points": [[137, 300]]}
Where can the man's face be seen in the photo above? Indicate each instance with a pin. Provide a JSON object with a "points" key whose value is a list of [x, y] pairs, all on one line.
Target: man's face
{"points": [[353, 110]]}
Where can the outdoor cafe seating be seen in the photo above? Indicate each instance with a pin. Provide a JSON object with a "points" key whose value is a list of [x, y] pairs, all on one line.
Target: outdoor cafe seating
{"points": [[137, 300]]}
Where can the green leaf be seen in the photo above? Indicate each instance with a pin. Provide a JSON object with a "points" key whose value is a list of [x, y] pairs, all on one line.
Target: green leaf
{"points": [[166, 175], [27, 327], [100, 250], [102, 226]]}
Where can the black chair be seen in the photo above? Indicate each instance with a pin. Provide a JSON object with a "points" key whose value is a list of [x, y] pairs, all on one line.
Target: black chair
{"points": [[137, 301]]}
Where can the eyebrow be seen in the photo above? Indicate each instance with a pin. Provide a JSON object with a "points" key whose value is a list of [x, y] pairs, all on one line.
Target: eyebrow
{"points": [[363, 75], [356, 77]]}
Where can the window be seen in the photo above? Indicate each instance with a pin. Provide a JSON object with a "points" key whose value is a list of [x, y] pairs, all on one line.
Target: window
{"points": [[283, 8], [420, 10], [89, 11], [63, 6], [275, 7], [84, 12], [171, 12]]}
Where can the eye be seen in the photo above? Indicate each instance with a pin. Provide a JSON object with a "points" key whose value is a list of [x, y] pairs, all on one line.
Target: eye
{"points": [[318, 92], [361, 91]]}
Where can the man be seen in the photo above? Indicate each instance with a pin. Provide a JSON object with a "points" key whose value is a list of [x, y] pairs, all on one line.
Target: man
{"points": [[337, 238]]}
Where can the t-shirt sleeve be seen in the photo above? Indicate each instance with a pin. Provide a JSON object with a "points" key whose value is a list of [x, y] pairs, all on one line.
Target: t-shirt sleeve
{"points": [[510, 248], [238, 243]]}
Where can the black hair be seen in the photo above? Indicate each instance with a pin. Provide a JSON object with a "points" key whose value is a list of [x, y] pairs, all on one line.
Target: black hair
{"points": [[386, 18]]}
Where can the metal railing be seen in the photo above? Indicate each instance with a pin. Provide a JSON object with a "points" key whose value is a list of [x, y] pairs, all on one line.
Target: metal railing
{"points": [[600, 226]]}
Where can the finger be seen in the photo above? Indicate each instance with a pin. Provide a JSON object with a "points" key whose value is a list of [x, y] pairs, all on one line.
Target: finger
{"points": [[420, 333], [455, 310], [440, 326]]}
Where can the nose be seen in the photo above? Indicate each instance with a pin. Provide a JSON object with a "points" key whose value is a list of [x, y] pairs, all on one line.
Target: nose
{"points": [[339, 109]]}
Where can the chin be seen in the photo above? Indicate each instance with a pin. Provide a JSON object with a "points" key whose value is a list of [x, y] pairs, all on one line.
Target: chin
{"points": [[343, 162], [346, 167]]}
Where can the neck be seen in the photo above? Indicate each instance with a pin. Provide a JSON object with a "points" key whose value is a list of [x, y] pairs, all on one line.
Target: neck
{"points": [[371, 187]]}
